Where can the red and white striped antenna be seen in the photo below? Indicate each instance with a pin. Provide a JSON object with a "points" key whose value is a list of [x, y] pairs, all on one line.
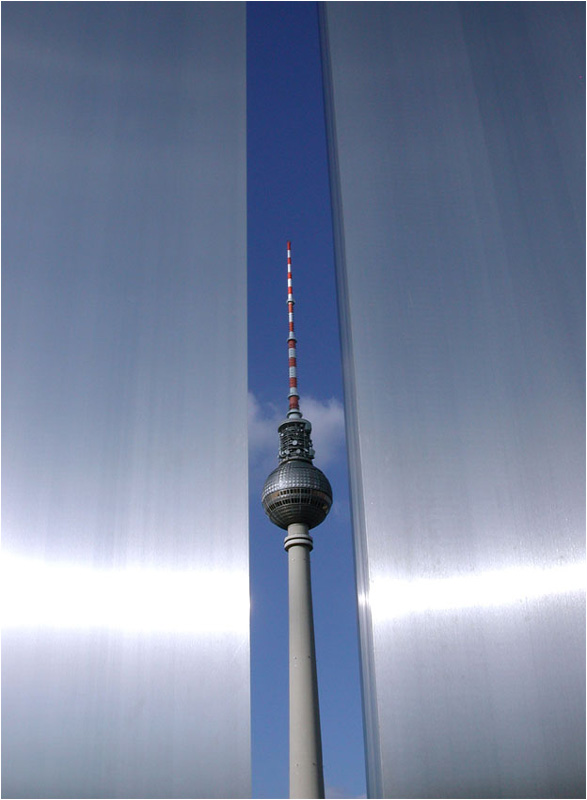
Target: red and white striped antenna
{"points": [[294, 397]]}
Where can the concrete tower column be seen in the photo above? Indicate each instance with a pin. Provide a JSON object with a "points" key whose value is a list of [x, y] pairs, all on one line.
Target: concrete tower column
{"points": [[306, 778]]}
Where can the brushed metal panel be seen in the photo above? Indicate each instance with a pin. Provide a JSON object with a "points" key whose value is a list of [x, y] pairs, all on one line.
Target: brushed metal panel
{"points": [[125, 504], [457, 179]]}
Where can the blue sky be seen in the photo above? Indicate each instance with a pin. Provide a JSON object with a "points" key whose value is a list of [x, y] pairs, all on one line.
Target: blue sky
{"points": [[288, 198]]}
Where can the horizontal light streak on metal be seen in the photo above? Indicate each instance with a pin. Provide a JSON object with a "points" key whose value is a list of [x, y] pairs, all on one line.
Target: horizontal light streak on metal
{"points": [[133, 599], [391, 598]]}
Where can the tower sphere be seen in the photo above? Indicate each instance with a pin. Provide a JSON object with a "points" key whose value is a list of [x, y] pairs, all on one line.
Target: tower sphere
{"points": [[297, 491]]}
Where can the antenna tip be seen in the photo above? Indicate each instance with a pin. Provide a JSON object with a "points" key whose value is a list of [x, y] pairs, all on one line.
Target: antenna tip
{"points": [[289, 245]]}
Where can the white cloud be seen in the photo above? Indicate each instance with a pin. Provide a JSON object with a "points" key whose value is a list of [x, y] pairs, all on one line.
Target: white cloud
{"points": [[327, 420], [262, 428], [326, 416]]}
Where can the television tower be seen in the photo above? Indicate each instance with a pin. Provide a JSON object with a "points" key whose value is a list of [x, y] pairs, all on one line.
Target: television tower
{"points": [[296, 497]]}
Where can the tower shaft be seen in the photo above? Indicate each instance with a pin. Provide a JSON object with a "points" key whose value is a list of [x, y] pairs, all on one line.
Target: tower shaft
{"points": [[306, 778], [296, 497]]}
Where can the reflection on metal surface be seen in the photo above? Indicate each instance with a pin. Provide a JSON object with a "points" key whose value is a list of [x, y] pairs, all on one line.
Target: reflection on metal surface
{"points": [[456, 144], [391, 598], [124, 498], [40, 594]]}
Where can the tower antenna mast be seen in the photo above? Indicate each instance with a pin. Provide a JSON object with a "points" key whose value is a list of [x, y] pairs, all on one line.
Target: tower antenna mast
{"points": [[296, 497], [294, 398]]}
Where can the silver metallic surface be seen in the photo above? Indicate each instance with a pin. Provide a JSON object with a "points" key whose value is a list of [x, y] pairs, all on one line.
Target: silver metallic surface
{"points": [[456, 136], [306, 778], [297, 491], [125, 655]]}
